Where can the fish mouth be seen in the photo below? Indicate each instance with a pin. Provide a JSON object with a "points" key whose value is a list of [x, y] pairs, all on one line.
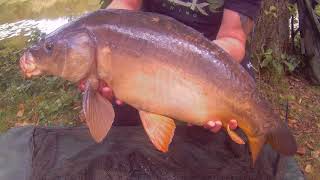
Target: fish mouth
{"points": [[28, 65]]}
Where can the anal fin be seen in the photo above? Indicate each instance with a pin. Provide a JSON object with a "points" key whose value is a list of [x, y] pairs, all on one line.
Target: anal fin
{"points": [[160, 129], [99, 113], [256, 144]]}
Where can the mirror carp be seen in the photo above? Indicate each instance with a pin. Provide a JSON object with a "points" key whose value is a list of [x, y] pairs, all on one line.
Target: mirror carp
{"points": [[163, 68]]}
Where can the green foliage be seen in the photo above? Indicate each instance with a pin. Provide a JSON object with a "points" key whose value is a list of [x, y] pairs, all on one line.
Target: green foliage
{"points": [[291, 62], [286, 63], [317, 9], [267, 58]]}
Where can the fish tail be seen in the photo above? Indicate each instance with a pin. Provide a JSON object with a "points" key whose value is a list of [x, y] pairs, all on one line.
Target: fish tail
{"points": [[282, 140]]}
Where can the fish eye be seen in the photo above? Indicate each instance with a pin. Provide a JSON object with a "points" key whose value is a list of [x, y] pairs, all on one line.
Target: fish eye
{"points": [[49, 46]]}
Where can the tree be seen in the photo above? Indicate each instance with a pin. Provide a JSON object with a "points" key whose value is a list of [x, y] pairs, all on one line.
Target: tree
{"points": [[309, 12], [271, 34], [272, 41]]}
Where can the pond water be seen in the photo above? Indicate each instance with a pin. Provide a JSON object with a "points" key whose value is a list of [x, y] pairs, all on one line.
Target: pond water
{"points": [[22, 17]]}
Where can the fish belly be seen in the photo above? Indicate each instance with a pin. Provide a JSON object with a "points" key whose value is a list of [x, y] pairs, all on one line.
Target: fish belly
{"points": [[164, 90]]}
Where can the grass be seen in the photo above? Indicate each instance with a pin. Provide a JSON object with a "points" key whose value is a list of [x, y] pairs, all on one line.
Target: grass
{"points": [[44, 101], [50, 101]]}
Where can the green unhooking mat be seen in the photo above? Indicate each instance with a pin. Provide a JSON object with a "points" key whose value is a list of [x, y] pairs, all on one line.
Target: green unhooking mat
{"points": [[35, 153]]}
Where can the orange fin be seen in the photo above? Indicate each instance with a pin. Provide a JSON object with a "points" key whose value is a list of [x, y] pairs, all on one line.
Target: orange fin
{"points": [[234, 136], [98, 112], [255, 145], [160, 129]]}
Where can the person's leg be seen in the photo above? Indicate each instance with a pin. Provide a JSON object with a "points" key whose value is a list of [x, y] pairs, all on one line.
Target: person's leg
{"points": [[126, 115]]}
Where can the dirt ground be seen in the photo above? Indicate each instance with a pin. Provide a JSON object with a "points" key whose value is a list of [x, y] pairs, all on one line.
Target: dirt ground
{"points": [[303, 116]]}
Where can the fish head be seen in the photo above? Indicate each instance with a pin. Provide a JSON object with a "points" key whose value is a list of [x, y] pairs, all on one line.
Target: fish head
{"points": [[69, 55]]}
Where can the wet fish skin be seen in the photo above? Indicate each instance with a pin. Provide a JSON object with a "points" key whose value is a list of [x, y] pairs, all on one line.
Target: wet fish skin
{"points": [[163, 67]]}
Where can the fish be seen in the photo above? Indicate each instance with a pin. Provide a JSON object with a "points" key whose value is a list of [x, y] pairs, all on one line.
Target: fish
{"points": [[166, 70]]}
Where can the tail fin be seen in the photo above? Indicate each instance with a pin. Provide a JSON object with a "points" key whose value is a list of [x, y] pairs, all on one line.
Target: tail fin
{"points": [[282, 140]]}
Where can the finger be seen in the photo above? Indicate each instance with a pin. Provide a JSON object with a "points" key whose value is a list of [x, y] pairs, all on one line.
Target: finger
{"points": [[107, 93], [233, 124], [119, 102], [81, 85], [209, 125], [106, 89], [217, 127], [102, 86]]}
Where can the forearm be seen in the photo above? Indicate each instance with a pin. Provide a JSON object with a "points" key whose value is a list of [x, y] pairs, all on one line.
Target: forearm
{"points": [[125, 4], [233, 34], [232, 46]]}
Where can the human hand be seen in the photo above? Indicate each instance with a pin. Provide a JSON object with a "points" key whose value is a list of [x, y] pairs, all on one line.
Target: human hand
{"points": [[104, 90], [215, 125]]}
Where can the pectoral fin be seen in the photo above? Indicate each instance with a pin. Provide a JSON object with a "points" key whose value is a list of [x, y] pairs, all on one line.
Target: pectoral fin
{"points": [[160, 129], [234, 136], [99, 114]]}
